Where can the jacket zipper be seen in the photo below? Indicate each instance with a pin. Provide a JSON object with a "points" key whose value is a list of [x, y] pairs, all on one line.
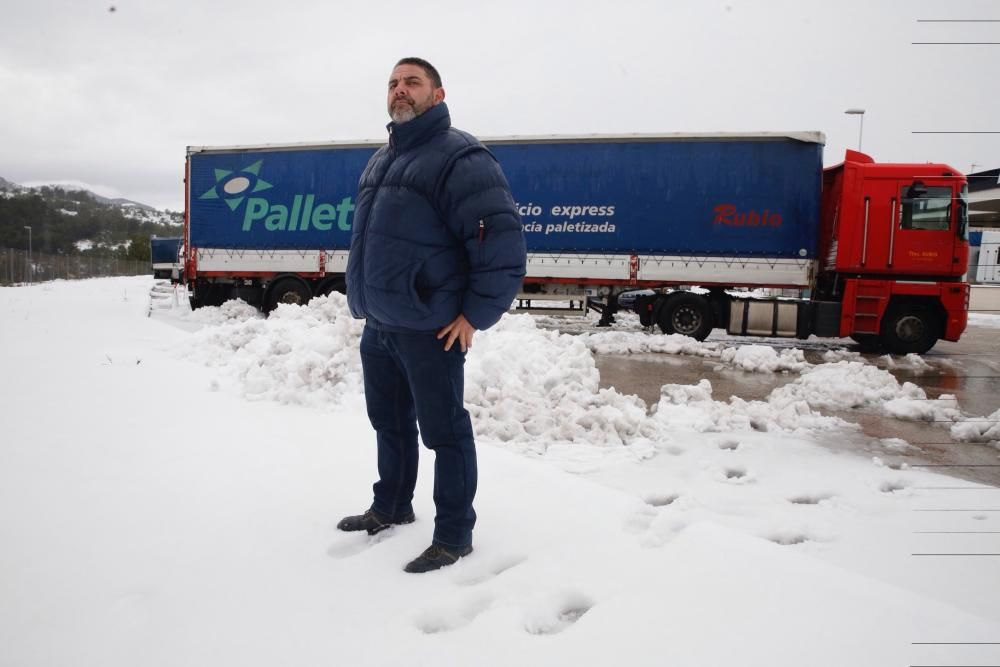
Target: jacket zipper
{"points": [[482, 235]]}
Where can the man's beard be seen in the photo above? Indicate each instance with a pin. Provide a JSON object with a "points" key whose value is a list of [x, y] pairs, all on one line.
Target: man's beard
{"points": [[402, 113], [408, 109]]}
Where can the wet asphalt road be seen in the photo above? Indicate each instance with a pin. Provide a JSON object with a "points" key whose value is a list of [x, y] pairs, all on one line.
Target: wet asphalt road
{"points": [[969, 370]]}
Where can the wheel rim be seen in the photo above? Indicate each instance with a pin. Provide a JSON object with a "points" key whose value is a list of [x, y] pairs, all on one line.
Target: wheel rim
{"points": [[291, 297], [910, 328], [686, 320]]}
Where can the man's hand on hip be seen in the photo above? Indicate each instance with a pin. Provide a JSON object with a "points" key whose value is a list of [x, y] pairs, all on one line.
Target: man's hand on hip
{"points": [[458, 329]]}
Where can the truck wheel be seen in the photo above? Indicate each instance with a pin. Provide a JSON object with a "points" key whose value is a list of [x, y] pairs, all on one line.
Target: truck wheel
{"points": [[689, 315], [287, 290], [907, 330], [208, 294], [867, 342], [328, 287]]}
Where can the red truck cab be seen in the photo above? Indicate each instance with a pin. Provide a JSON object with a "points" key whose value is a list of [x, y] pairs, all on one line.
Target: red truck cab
{"points": [[894, 250]]}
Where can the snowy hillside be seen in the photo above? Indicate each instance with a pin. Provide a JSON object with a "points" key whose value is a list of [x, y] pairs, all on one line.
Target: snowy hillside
{"points": [[130, 209], [170, 484]]}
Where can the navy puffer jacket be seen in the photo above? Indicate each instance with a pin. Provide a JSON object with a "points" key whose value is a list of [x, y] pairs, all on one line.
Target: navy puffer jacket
{"points": [[435, 233]]}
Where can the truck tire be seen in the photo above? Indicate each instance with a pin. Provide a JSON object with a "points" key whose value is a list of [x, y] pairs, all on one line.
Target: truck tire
{"points": [[909, 329], [687, 314], [287, 290], [867, 342], [208, 294], [331, 285]]}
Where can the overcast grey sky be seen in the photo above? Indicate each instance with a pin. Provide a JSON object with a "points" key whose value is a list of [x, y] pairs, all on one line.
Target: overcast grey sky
{"points": [[111, 99]]}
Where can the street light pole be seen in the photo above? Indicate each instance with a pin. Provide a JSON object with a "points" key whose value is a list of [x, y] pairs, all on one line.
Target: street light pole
{"points": [[31, 266], [861, 126]]}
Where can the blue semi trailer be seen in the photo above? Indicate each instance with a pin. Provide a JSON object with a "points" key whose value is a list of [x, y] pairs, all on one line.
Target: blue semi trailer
{"points": [[165, 256], [602, 215]]}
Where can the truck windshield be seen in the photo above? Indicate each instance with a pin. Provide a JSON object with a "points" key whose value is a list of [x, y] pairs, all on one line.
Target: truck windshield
{"points": [[926, 207], [963, 213]]}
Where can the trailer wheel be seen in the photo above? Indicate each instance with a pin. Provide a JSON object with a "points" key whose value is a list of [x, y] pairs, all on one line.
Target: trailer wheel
{"points": [[208, 294], [687, 314], [328, 287], [287, 290], [909, 329]]}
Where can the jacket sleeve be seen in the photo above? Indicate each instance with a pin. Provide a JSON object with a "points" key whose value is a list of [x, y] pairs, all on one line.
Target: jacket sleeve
{"points": [[478, 207]]}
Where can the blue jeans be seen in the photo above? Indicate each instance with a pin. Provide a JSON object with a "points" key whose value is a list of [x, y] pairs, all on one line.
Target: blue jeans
{"points": [[409, 381]]}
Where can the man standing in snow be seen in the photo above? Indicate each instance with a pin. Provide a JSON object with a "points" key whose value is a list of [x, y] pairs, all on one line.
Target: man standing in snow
{"points": [[437, 253]]}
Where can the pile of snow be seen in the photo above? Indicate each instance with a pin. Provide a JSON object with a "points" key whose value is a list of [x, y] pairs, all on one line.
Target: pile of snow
{"points": [[540, 388], [985, 429], [688, 407], [532, 389], [842, 354], [844, 382], [537, 390], [639, 342], [305, 356], [765, 359], [234, 311], [847, 385], [911, 362]]}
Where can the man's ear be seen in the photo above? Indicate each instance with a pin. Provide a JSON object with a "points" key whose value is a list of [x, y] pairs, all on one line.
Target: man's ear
{"points": [[438, 95]]}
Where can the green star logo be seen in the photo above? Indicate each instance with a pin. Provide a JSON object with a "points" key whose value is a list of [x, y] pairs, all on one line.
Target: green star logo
{"points": [[234, 184]]}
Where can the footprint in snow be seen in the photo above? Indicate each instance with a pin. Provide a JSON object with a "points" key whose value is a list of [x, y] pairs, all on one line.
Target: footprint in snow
{"points": [[662, 531], [660, 499], [736, 475], [809, 498], [788, 539], [492, 569], [892, 486], [446, 619], [640, 520], [348, 545], [564, 611]]}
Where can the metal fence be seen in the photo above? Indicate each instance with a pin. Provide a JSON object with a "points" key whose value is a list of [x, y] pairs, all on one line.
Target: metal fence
{"points": [[16, 267]]}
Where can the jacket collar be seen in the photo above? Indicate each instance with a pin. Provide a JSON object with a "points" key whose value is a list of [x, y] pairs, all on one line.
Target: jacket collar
{"points": [[406, 135]]}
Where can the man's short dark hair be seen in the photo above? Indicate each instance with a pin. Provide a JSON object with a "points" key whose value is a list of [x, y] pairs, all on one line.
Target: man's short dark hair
{"points": [[429, 69]]}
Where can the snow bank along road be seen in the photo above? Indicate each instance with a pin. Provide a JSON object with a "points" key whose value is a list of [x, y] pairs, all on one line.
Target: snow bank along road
{"points": [[170, 485], [968, 370]]}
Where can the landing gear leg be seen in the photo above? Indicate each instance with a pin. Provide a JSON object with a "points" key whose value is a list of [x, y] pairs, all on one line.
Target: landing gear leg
{"points": [[608, 314]]}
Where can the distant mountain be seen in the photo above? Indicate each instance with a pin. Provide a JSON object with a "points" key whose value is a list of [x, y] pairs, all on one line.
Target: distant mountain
{"points": [[67, 220], [9, 186], [121, 202]]}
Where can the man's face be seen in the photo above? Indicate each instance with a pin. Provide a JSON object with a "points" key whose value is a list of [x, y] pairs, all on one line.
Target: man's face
{"points": [[411, 93]]}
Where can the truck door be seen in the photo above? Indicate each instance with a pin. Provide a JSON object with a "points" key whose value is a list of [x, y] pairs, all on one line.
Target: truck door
{"points": [[880, 203], [924, 233]]}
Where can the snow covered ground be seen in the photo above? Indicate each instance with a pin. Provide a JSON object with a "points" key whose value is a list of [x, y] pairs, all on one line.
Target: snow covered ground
{"points": [[170, 484], [984, 320]]}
